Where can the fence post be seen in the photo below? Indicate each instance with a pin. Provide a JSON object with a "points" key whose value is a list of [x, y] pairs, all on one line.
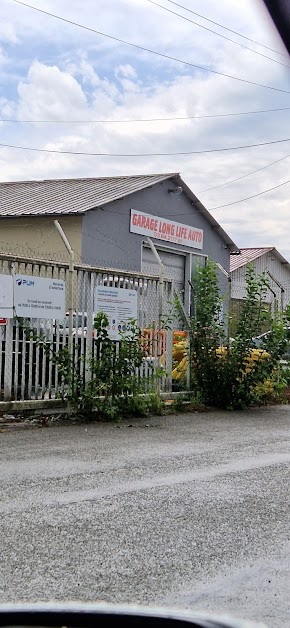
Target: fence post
{"points": [[70, 285], [229, 294], [70, 291], [160, 303], [90, 349], [186, 320], [8, 360], [169, 340]]}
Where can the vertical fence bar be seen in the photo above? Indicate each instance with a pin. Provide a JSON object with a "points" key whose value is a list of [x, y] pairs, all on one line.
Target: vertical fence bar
{"points": [[91, 279], [43, 377], [2, 342], [15, 376], [29, 342], [2, 351], [8, 360], [8, 357], [23, 365], [83, 331], [37, 360], [49, 384], [56, 348], [169, 340]]}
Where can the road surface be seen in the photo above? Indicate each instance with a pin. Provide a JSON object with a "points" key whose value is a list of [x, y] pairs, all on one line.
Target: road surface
{"points": [[189, 511]]}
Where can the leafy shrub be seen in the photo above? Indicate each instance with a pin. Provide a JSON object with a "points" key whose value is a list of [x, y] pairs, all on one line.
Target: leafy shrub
{"points": [[232, 375], [115, 387]]}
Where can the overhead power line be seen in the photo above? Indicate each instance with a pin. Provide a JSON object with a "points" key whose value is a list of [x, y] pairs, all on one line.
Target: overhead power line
{"points": [[241, 200], [237, 43], [253, 196], [190, 152], [127, 121], [244, 175], [227, 28], [154, 52]]}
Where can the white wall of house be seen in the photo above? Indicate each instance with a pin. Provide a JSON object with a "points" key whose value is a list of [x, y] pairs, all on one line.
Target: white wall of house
{"points": [[279, 274]]}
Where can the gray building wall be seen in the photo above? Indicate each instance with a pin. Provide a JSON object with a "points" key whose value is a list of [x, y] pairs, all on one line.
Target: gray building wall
{"points": [[107, 241]]}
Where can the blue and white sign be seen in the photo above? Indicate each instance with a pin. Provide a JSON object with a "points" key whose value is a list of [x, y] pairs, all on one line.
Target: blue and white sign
{"points": [[38, 297], [120, 305]]}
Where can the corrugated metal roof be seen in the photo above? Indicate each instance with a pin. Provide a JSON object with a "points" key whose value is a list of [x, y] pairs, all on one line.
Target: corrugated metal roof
{"points": [[69, 196], [248, 255], [77, 196]]}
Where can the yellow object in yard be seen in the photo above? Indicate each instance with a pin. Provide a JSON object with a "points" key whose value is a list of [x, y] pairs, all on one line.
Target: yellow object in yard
{"points": [[179, 350], [179, 354], [180, 370], [256, 355], [221, 351]]}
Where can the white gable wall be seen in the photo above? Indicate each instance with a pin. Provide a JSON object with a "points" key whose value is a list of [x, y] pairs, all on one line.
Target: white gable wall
{"points": [[280, 272]]}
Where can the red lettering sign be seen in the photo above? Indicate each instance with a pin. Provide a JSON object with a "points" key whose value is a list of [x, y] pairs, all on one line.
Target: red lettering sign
{"points": [[164, 229]]}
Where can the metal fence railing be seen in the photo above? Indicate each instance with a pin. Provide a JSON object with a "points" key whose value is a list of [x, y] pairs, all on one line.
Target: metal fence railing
{"points": [[27, 370]]}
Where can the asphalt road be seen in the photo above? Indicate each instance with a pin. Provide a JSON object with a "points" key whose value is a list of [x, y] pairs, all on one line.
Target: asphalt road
{"points": [[189, 511]]}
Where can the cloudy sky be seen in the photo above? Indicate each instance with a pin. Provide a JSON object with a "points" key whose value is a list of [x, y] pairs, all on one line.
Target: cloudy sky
{"points": [[59, 73]]}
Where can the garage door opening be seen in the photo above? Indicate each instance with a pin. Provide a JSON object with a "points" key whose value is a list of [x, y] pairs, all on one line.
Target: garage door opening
{"points": [[174, 267]]}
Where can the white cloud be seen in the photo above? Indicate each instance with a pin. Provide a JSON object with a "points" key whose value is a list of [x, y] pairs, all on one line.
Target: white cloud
{"points": [[3, 58], [49, 93], [8, 33], [7, 108], [126, 71], [79, 76]]}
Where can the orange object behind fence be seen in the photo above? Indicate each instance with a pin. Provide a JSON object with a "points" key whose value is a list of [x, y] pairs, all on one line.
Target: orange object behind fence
{"points": [[154, 340], [179, 335]]}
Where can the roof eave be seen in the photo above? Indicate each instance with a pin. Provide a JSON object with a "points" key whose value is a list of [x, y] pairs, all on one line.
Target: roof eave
{"points": [[266, 250], [233, 248], [280, 257]]}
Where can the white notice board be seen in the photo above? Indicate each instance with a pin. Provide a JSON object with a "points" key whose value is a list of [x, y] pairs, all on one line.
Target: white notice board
{"points": [[6, 296], [119, 304], [39, 297]]}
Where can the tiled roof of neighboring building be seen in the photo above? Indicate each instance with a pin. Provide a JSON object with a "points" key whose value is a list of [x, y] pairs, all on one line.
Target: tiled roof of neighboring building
{"points": [[69, 196], [54, 197], [250, 254]]}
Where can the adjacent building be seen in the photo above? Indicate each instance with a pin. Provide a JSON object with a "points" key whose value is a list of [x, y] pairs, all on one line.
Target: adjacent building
{"points": [[265, 260]]}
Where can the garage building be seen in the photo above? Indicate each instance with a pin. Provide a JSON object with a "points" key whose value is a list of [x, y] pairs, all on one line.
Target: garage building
{"points": [[108, 220]]}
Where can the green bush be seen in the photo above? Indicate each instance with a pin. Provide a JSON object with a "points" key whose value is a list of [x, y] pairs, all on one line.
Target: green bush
{"points": [[115, 387], [232, 377]]}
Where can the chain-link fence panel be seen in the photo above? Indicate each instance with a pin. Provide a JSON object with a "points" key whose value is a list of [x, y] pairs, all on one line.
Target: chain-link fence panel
{"points": [[238, 296], [28, 368], [147, 289]]}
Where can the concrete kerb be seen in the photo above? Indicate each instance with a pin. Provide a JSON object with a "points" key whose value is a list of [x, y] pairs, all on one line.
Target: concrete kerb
{"points": [[38, 413]]}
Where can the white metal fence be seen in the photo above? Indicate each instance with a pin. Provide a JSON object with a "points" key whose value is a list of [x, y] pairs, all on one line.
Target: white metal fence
{"points": [[27, 370]]}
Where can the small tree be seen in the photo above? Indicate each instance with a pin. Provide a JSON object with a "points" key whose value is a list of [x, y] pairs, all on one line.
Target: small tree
{"points": [[229, 375], [115, 387]]}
